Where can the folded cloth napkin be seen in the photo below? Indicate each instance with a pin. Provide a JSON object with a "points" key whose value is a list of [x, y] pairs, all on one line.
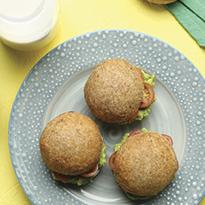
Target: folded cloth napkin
{"points": [[191, 15], [197, 6]]}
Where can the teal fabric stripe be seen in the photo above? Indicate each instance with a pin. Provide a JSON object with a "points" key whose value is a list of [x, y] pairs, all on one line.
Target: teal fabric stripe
{"points": [[193, 24], [197, 6]]}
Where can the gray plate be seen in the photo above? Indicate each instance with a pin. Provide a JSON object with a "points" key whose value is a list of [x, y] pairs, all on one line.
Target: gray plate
{"points": [[56, 85]]}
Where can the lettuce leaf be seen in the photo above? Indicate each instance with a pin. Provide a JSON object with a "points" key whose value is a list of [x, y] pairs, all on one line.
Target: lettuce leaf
{"points": [[144, 130], [143, 113], [102, 161], [148, 78], [79, 181], [124, 138]]}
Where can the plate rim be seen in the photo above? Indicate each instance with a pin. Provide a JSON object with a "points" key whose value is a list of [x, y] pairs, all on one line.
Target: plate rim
{"points": [[10, 122]]}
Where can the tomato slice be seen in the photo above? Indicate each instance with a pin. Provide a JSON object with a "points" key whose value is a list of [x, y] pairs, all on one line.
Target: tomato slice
{"points": [[134, 132], [60, 177], [169, 139], [91, 173], [112, 161], [148, 98]]}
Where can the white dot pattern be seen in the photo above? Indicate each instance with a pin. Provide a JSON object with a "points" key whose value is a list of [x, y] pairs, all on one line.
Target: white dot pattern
{"points": [[83, 52]]}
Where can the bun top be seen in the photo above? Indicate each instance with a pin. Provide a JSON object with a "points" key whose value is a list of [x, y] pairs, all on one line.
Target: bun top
{"points": [[161, 1], [145, 164], [71, 144], [114, 91]]}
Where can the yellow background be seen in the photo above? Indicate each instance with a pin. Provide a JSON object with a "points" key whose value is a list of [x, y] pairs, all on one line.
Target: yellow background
{"points": [[77, 17]]}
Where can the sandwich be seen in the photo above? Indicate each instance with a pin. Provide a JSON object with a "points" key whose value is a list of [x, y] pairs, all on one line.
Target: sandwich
{"points": [[72, 148], [144, 163], [119, 92]]}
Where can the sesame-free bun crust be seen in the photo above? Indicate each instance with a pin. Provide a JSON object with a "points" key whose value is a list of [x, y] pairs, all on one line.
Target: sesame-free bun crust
{"points": [[71, 144], [145, 164], [114, 92], [161, 1]]}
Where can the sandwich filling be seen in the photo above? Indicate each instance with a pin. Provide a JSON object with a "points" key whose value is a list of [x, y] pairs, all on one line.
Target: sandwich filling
{"points": [[134, 132], [85, 178], [126, 135], [134, 197], [117, 147], [148, 97]]}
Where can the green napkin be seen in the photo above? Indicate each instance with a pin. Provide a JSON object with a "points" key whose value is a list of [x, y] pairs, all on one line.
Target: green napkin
{"points": [[191, 14], [196, 6]]}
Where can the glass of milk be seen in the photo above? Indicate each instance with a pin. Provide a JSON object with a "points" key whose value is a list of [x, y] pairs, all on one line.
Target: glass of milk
{"points": [[28, 24]]}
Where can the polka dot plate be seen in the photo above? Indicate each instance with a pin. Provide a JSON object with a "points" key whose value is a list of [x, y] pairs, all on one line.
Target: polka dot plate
{"points": [[55, 85]]}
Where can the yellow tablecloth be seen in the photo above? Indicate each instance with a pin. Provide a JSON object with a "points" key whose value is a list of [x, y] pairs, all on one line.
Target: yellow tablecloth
{"points": [[78, 17]]}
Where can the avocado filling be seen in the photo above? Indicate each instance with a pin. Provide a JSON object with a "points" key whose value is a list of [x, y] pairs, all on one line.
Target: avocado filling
{"points": [[143, 113], [134, 197], [149, 79], [124, 138], [79, 180], [102, 160]]}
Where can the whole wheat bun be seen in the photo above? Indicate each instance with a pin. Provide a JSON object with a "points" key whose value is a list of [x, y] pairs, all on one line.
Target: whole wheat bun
{"points": [[71, 144], [145, 164], [161, 1], [114, 92]]}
